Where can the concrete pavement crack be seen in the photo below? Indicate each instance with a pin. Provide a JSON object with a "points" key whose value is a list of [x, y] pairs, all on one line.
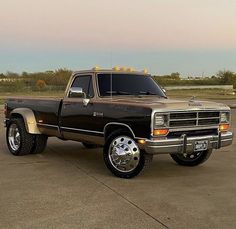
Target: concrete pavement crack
{"points": [[112, 189]]}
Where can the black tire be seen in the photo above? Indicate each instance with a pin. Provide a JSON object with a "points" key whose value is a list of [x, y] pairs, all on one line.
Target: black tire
{"points": [[144, 159], [26, 140], [40, 143], [197, 158], [89, 145]]}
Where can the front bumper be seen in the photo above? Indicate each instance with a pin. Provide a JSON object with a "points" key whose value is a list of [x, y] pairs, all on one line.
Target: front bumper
{"points": [[185, 144]]}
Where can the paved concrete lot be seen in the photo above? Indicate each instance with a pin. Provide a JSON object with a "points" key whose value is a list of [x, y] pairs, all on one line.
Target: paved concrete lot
{"points": [[68, 186]]}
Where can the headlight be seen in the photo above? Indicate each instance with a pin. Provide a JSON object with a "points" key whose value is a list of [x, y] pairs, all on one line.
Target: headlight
{"points": [[160, 120], [224, 117]]}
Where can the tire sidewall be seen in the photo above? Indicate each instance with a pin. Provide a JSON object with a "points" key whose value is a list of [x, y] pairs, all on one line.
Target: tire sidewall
{"points": [[108, 163], [201, 159]]}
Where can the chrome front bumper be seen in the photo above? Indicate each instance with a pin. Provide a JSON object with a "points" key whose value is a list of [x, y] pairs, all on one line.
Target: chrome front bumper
{"points": [[185, 144]]}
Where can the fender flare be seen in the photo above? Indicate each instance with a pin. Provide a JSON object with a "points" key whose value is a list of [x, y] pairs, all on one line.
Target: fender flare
{"points": [[29, 119], [118, 124]]}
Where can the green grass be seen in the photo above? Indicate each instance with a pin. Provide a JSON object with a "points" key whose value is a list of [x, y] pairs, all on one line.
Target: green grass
{"points": [[5, 95], [200, 93]]}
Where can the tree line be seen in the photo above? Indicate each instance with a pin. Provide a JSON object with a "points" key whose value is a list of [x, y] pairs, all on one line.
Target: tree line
{"points": [[224, 77], [48, 80], [58, 79]]}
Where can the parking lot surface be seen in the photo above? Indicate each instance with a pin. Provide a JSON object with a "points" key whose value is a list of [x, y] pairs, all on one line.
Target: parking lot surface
{"points": [[69, 186]]}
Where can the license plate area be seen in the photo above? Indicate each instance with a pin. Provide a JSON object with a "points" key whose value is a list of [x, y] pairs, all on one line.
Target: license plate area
{"points": [[201, 145]]}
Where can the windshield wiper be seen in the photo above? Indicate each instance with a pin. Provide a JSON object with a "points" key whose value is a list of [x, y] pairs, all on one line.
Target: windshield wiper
{"points": [[149, 93], [146, 93], [118, 93]]}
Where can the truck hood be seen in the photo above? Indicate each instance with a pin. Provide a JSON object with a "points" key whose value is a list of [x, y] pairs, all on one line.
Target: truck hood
{"points": [[163, 104]]}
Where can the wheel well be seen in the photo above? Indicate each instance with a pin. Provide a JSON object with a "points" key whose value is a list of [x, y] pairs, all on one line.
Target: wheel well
{"points": [[15, 115], [19, 116], [28, 117], [113, 127]]}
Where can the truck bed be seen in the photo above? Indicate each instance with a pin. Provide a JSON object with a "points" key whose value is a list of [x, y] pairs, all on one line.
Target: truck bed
{"points": [[46, 109]]}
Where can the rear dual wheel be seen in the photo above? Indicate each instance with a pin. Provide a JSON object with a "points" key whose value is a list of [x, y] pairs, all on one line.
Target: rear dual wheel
{"points": [[20, 142]]}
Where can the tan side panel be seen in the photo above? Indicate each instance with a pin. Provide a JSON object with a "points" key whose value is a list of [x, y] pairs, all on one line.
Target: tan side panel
{"points": [[29, 119]]}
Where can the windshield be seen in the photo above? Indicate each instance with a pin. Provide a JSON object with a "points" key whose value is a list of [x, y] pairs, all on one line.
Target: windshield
{"points": [[128, 84]]}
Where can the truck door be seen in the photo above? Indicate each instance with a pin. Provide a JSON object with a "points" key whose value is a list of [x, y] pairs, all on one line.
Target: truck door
{"points": [[76, 118]]}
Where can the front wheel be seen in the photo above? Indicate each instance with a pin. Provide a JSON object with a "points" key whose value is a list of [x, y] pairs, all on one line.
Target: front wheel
{"points": [[123, 157], [191, 159]]}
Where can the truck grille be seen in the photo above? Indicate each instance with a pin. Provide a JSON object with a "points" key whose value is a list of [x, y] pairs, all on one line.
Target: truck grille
{"points": [[197, 118]]}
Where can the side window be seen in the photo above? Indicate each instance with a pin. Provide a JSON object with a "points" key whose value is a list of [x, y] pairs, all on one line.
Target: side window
{"points": [[85, 82]]}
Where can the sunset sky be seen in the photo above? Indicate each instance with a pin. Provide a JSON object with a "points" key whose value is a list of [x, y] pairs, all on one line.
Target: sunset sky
{"points": [[193, 37]]}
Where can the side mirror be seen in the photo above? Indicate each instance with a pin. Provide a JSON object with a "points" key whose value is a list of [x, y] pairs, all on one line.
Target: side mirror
{"points": [[76, 92], [164, 90]]}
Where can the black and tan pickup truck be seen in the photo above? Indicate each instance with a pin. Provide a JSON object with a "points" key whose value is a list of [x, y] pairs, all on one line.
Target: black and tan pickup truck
{"points": [[124, 111]]}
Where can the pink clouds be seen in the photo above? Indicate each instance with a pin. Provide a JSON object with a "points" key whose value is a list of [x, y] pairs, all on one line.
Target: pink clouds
{"points": [[107, 24]]}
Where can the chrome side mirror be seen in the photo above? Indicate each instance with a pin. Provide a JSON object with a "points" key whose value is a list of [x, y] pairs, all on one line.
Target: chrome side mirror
{"points": [[76, 92]]}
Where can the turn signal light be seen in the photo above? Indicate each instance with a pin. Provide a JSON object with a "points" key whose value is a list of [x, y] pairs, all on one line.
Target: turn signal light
{"points": [[159, 132], [224, 127], [141, 141]]}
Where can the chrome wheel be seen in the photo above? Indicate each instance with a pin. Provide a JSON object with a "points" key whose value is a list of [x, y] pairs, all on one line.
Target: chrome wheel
{"points": [[124, 154], [14, 138]]}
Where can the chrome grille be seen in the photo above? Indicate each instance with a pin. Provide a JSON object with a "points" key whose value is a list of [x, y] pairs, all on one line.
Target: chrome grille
{"points": [[202, 122], [208, 114], [182, 115], [197, 118]]}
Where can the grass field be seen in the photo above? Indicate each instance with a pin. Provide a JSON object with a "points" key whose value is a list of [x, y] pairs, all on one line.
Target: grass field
{"points": [[183, 94], [5, 95], [201, 94]]}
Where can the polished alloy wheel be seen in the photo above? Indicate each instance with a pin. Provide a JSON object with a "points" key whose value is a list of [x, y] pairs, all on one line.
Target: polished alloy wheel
{"points": [[124, 154], [14, 138]]}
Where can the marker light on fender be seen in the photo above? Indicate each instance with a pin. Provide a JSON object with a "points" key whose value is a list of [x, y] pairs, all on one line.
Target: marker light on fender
{"points": [[224, 127], [160, 132], [141, 141]]}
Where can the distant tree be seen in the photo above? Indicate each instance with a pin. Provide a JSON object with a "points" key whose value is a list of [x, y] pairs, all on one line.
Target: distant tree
{"points": [[25, 74], [227, 77], [2, 75], [12, 75], [175, 76]]}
